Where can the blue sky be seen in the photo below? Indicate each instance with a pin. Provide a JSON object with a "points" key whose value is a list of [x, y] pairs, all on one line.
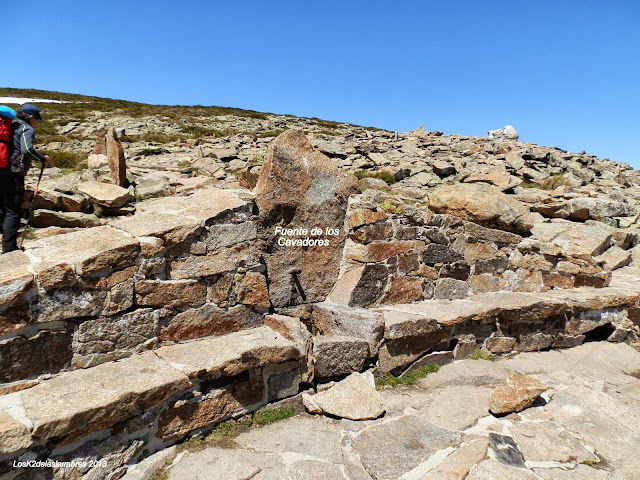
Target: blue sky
{"points": [[564, 73]]}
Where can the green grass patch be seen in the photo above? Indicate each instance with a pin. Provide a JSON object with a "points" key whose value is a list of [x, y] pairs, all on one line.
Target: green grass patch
{"points": [[549, 183], [154, 137], [553, 182], [328, 124], [385, 176], [160, 474], [268, 415], [270, 133], [388, 379], [478, 354], [66, 160], [331, 133], [389, 207], [224, 434], [197, 131]]}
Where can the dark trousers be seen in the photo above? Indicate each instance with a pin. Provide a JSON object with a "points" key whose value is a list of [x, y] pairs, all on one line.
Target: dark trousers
{"points": [[11, 196]]}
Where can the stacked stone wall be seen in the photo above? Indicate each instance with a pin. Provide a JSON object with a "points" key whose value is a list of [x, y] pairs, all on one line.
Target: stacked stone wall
{"points": [[101, 294], [397, 253]]}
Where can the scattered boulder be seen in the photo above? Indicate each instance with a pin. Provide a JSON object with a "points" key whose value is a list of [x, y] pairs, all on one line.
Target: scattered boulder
{"points": [[483, 204], [354, 398], [105, 194], [515, 394], [48, 218], [506, 133]]}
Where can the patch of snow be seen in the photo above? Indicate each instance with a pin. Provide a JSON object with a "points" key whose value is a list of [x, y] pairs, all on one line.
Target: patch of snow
{"points": [[21, 101]]}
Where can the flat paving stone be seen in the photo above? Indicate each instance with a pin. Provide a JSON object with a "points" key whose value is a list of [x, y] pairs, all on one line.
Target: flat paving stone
{"points": [[546, 441], [223, 464], [581, 472], [456, 407], [388, 450], [492, 470], [313, 437]]}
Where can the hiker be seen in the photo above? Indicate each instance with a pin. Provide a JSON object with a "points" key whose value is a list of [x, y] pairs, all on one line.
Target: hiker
{"points": [[22, 153]]}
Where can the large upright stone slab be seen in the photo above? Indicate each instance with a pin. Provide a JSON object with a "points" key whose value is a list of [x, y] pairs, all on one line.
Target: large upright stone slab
{"points": [[107, 144], [301, 188]]}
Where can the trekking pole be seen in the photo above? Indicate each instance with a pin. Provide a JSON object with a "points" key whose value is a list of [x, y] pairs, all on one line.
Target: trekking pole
{"points": [[35, 192]]}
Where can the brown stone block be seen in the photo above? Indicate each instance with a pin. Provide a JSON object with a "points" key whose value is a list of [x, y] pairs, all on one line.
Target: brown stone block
{"points": [[634, 314], [534, 342], [218, 292], [599, 280], [14, 318], [299, 187], [170, 294], [500, 344], [210, 320], [395, 354], [480, 251], [207, 265], [530, 262], [515, 394], [121, 276], [403, 290], [251, 289], [556, 280], [377, 252], [363, 216], [56, 275], [179, 421], [47, 351], [484, 283], [409, 262], [371, 233], [101, 396], [89, 250], [428, 272], [14, 436]]}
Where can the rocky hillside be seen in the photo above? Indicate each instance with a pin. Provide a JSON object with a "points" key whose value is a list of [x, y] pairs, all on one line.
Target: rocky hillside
{"points": [[271, 267], [171, 149]]}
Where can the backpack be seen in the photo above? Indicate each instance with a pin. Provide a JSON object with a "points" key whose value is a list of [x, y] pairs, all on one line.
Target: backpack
{"points": [[6, 117]]}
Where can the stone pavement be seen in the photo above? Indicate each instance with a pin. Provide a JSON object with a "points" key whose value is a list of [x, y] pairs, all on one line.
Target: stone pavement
{"points": [[587, 426]]}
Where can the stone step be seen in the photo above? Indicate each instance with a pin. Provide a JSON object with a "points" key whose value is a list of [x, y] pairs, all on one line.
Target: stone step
{"points": [[72, 405], [397, 335], [404, 320]]}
